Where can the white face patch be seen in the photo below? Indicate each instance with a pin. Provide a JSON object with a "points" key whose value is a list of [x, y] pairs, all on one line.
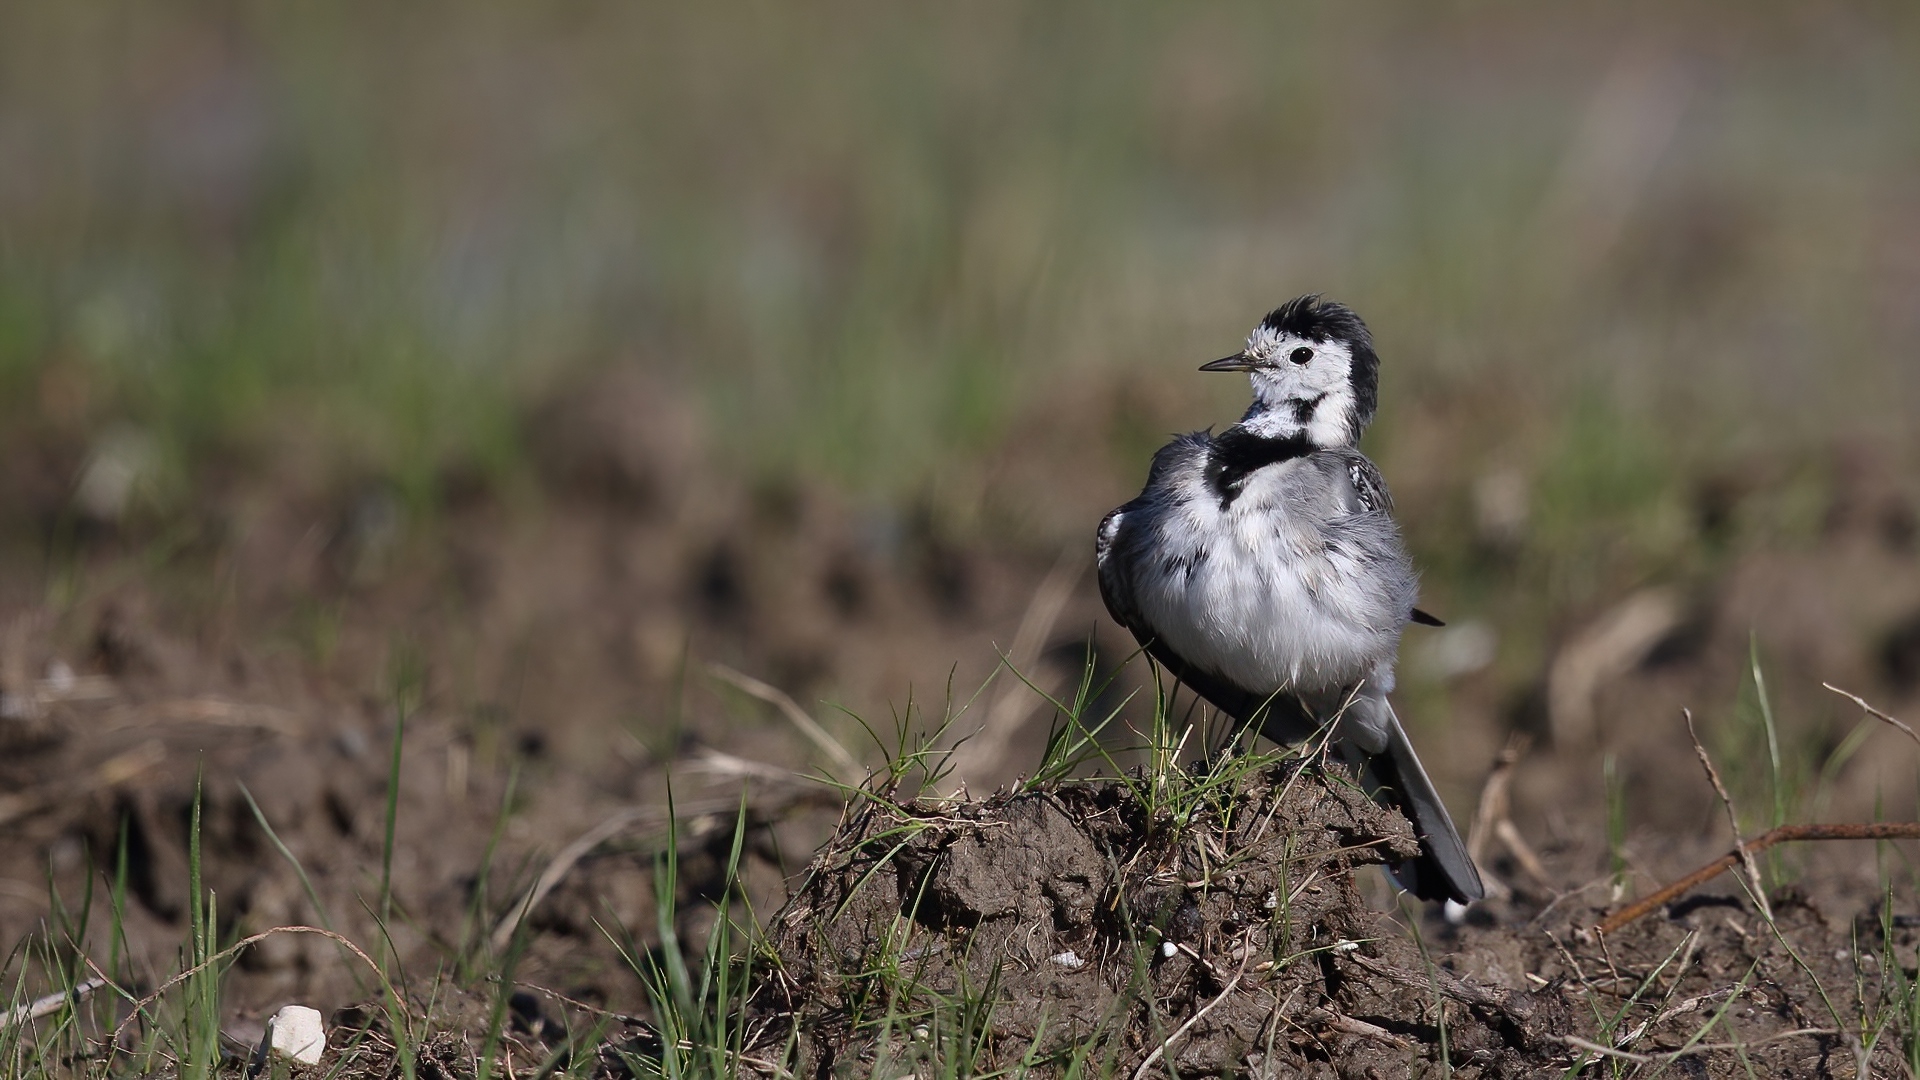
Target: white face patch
{"points": [[1311, 395]]}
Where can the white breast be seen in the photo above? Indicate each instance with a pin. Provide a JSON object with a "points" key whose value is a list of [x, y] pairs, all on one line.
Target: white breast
{"points": [[1261, 591]]}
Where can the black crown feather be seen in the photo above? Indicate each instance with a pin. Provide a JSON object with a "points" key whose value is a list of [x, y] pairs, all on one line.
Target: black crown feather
{"points": [[1321, 321]]}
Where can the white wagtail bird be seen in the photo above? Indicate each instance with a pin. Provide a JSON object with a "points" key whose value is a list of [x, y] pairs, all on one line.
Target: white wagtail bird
{"points": [[1262, 568]]}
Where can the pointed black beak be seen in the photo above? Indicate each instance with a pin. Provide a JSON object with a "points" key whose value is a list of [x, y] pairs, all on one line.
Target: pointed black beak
{"points": [[1236, 362]]}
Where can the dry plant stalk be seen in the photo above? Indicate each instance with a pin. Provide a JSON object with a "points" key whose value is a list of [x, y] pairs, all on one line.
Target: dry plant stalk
{"points": [[48, 1005], [699, 821], [1875, 713], [846, 769], [1747, 860], [1743, 853], [1894, 830], [1492, 819], [139, 1005], [1015, 701]]}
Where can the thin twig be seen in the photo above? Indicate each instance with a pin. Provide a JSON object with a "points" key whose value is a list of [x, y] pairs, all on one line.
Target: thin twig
{"points": [[140, 1005], [1494, 799], [1894, 830], [1348, 1025], [1448, 986], [1871, 711], [846, 768], [39, 1007], [609, 827], [1687, 1051], [1016, 700], [1747, 860], [1232, 985]]}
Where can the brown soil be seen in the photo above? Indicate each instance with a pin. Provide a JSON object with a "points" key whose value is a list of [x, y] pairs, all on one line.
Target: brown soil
{"points": [[1095, 931], [1240, 942], [548, 648]]}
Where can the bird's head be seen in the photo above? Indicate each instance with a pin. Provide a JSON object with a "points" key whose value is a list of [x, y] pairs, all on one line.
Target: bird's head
{"points": [[1314, 372]]}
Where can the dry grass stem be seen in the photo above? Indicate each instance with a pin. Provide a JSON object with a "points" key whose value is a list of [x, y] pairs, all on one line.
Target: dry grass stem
{"points": [[206, 711], [1687, 1051], [558, 869], [1494, 799], [1876, 713], [1014, 702], [1522, 852], [1493, 820], [42, 1006], [1347, 1025], [1198, 1015], [1747, 860], [1446, 984], [719, 763], [1895, 830], [140, 1004], [846, 768], [111, 773], [700, 820], [1604, 650]]}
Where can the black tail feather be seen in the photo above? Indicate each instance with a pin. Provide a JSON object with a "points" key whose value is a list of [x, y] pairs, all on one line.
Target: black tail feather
{"points": [[1444, 870]]}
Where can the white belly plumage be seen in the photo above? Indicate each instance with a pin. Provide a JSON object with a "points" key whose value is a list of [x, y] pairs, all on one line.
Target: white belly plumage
{"points": [[1264, 599]]}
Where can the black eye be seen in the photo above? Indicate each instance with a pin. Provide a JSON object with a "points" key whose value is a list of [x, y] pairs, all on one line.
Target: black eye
{"points": [[1300, 355]]}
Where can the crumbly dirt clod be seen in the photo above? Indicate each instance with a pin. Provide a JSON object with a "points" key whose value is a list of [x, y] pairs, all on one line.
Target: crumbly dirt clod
{"points": [[1073, 921]]}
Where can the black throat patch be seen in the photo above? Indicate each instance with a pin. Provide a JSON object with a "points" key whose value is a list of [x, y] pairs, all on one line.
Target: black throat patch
{"points": [[1303, 408], [1237, 453]]}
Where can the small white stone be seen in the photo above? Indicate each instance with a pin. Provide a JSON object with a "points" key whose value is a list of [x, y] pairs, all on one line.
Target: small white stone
{"points": [[1168, 948], [296, 1032]]}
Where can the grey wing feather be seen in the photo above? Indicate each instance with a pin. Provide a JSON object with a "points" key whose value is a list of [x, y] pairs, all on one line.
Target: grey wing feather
{"points": [[1367, 488], [1366, 491]]}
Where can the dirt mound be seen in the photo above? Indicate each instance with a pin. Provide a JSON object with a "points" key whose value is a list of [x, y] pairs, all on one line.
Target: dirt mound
{"points": [[1196, 925], [1099, 922]]}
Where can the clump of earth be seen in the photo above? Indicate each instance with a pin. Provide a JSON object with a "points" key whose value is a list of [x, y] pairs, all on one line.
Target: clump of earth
{"points": [[1225, 933], [1079, 924]]}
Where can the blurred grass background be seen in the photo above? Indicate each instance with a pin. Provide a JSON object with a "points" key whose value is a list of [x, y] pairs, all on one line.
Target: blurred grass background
{"points": [[866, 234], [1609, 251]]}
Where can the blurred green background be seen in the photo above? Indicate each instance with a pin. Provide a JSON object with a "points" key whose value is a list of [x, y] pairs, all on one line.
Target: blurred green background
{"points": [[865, 235], [1642, 274]]}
